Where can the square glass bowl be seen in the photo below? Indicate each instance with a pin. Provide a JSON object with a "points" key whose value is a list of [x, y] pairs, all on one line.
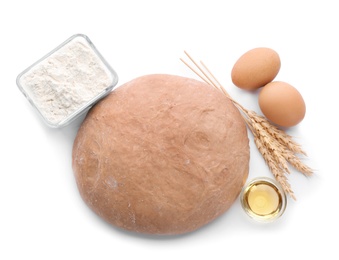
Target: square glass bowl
{"points": [[66, 82]]}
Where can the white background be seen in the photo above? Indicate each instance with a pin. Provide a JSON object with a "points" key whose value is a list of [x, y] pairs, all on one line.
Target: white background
{"points": [[41, 213]]}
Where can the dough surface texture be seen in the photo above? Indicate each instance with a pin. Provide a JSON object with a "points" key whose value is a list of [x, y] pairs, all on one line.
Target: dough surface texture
{"points": [[161, 154]]}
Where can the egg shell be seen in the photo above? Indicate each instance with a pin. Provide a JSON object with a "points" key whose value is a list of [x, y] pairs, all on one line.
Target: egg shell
{"points": [[282, 104], [256, 68]]}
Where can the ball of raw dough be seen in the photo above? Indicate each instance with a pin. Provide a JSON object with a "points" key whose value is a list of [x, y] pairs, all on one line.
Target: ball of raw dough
{"points": [[161, 154]]}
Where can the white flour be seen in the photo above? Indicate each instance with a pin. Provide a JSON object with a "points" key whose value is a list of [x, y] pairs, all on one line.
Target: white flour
{"points": [[67, 80]]}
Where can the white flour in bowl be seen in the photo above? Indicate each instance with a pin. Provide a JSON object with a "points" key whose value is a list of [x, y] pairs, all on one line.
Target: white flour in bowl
{"points": [[64, 82]]}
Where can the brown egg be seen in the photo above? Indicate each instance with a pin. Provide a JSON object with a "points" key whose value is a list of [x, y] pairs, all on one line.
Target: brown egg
{"points": [[282, 104], [255, 68]]}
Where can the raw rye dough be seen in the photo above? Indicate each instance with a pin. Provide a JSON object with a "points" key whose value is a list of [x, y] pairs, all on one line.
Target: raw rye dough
{"points": [[161, 154]]}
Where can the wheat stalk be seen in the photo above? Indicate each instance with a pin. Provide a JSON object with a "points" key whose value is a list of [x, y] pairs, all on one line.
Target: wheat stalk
{"points": [[277, 148]]}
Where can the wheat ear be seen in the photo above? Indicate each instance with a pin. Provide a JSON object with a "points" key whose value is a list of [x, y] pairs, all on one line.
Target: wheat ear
{"points": [[278, 149]]}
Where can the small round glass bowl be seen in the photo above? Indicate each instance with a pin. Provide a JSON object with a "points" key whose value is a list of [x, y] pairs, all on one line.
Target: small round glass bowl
{"points": [[263, 199]]}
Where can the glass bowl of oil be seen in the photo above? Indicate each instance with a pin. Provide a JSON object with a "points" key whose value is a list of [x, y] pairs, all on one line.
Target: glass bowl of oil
{"points": [[263, 199]]}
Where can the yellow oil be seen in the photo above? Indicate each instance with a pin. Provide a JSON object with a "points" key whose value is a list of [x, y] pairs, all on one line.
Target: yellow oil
{"points": [[263, 200]]}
